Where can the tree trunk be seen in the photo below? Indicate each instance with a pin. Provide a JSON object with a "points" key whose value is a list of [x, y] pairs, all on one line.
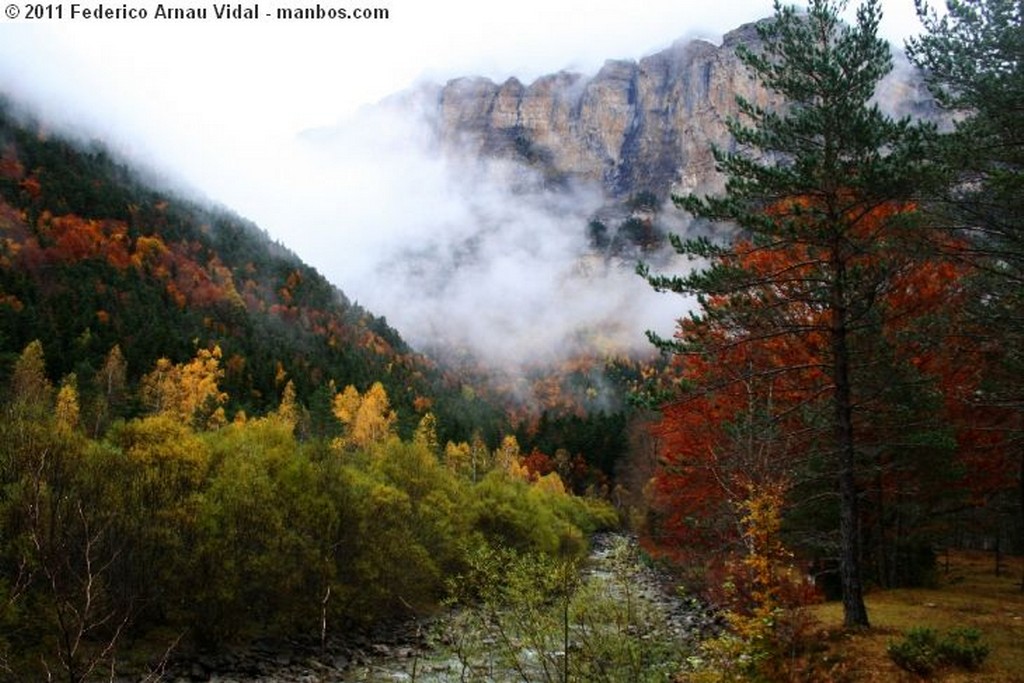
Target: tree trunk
{"points": [[855, 614], [1020, 479], [884, 566]]}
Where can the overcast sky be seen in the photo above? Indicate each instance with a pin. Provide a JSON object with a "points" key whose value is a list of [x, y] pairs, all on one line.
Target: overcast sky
{"points": [[218, 104]]}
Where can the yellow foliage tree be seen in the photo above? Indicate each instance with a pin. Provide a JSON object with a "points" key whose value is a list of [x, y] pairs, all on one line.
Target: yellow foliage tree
{"points": [[165, 446], [113, 376], [426, 434], [289, 409], [188, 392], [368, 418], [761, 616], [67, 408], [762, 592], [30, 388], [346, 405], [551, 484], [375, 420], [506, 458], [457, 458], [517, 470], [480, 458], [470, 461]]}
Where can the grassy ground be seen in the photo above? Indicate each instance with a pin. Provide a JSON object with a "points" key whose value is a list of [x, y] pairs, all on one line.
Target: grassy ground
{"points": [[969, 594]]}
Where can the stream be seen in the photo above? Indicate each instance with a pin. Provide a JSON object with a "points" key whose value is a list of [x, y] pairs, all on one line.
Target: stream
{"points": [[628, 616]]}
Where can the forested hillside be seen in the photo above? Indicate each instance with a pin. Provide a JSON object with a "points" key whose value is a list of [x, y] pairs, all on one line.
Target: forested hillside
{"points": [[94, 258]]}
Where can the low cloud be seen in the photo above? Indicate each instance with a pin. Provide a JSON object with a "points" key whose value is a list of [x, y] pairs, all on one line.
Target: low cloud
{"points": [[461, 253]]}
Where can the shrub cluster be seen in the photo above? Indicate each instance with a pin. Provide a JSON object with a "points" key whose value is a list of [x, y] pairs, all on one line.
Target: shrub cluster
{"points": [[923, 650]]}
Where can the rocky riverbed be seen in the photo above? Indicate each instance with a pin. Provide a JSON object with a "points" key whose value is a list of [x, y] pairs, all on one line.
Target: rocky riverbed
{"points": [[433, 652]]}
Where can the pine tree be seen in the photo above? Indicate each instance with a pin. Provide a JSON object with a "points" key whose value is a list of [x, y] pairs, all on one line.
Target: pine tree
{"points": [[973, 61], [822, 178]]}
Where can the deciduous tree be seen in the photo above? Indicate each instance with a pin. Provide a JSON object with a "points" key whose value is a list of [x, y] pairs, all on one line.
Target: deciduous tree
{"points": [[67, 409], [189, 392], [31, 390], [368, 418], [110, 386]]}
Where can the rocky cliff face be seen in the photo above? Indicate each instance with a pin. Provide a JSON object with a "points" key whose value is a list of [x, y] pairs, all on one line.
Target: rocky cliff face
{"points": [[635, 127]]}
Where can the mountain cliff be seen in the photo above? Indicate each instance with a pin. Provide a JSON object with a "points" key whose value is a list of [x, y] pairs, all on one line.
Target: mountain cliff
{"points": [[636, 127]]}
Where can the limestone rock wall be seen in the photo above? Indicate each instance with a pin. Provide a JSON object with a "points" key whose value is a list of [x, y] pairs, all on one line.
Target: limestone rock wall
{"points": [[643, 126], [635, 126]]}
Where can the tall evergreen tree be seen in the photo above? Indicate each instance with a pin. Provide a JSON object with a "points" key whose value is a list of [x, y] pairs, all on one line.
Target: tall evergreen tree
{"points": [[972, 57], [973, 62], [818, 183]]}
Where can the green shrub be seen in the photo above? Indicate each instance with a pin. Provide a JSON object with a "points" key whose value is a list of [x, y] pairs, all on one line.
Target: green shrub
{"points": [[918, 652], [964, 648], [922, 651]]}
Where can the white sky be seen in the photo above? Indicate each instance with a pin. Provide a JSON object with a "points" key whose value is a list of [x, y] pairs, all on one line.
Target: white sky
{"points": [[218, 104]]}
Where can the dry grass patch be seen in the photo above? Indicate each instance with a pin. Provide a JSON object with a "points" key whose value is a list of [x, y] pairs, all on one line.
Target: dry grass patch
{"points": [[969, 594]]}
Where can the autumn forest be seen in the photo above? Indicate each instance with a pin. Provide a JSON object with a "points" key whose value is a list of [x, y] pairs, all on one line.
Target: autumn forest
{"points": [[204, 442]]}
